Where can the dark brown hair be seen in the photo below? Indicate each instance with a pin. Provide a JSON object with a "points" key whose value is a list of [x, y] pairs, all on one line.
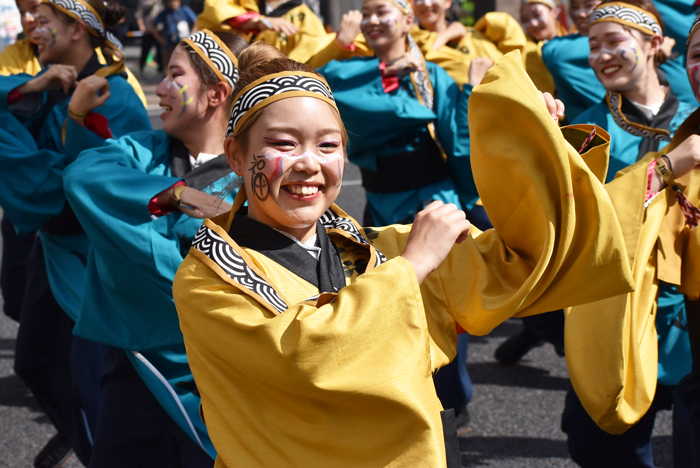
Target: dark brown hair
{"points": [[110, 12], [234, 42], [260, 60]]}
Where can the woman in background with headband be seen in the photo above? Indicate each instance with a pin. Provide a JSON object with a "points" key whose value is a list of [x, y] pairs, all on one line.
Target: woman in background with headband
{"points": [[540, 19], [313, 341], [641, 116], [139, 199], [45, 124], [454, 46], [566, 57]]}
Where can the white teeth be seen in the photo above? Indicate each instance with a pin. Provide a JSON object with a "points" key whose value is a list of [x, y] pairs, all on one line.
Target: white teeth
{"points": [[610, 69], [166, 108], [303, 189]]}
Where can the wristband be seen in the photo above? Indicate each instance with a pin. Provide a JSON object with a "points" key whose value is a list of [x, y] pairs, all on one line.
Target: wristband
{"points": [[666, 174], [76, 115], [266, 22]]}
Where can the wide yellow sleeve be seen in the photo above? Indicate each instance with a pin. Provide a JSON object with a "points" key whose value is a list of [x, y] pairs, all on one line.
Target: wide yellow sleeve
{"points": [[215, 12], [556, 240], [346, 384], [611, 345], [503, 30], [19, 58], [538, 72]]}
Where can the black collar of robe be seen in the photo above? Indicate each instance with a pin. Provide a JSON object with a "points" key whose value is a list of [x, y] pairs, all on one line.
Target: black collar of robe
{"points": [[280, 10], [662, 120], [326, 273], [202, 176]]}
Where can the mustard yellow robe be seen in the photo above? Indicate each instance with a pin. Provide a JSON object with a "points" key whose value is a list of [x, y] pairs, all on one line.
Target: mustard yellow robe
{"points": [[20, 58], [345, 379], [495, 34], [611, 345], [312, 44]]}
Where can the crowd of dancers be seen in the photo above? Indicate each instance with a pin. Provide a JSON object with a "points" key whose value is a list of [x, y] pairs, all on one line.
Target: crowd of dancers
{"points": [[192, 296]]}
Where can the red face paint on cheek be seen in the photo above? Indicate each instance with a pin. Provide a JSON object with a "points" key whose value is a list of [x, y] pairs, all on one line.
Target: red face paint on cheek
{"points": [[695, 80]]}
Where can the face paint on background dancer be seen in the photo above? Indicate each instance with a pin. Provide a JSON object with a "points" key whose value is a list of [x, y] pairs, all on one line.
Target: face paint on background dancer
{"points": [[281, 161]]}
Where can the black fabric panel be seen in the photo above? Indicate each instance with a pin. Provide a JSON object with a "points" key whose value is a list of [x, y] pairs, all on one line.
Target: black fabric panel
{"points": [[661, 120], [449, 429], [326, 273], [407, 171], [280, 10], [204, 175]]}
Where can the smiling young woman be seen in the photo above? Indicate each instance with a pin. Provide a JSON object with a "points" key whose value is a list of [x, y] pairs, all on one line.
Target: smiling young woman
{"points": [[140, 199], [642, 117], [314, 341]]}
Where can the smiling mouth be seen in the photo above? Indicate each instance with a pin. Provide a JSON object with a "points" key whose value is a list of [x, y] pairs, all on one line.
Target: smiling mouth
{"points": [[302, 190], [166, 108], [611, 70]]}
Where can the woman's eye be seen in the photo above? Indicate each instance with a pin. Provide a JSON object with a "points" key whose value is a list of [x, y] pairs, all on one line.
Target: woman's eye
{"points": [[281, 143]]}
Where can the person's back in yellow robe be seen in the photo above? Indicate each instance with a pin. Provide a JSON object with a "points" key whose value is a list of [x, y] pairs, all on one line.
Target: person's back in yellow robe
{"points": [[311, 44], [291, 378], [494, 35]]}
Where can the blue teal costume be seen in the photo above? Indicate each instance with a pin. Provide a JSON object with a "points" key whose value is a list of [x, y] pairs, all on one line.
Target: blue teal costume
{"points": [[401, 165], [128, 299], [404, 169], [33, 157], [586, 441], [576, 84]]}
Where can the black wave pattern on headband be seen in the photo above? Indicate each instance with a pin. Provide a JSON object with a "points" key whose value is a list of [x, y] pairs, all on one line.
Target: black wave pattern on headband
{"points": [[626, 14], [273, 87], [218, 57], [694, 27]]}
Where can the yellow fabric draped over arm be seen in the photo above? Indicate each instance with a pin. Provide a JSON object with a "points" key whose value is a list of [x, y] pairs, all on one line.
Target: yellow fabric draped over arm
{"points": [[611, 345], [215, 12], [19, 58], [536, 68], [503, 30]]}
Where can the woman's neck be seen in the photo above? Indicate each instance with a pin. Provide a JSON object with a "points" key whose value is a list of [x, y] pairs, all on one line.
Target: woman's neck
{"points": [[395, 51], [206, 138], [647, 90], [439, 26], [79, 56]]}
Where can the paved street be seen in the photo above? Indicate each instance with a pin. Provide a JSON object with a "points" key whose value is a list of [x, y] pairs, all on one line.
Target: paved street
{"points": [[515, 411]]}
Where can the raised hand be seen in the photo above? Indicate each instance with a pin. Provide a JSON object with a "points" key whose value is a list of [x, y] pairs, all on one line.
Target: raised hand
{"points": [[478, 68], [349, 28], [403, 65], [90, 94], [554, 106], [435, 231], [57, 76]]}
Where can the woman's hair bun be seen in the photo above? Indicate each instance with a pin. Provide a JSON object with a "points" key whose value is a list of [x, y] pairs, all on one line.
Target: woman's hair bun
{"points": [[257, 54], [113, 13]]}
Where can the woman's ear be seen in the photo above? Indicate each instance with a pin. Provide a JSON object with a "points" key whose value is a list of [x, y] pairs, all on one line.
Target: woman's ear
{"points": [[409, 20], [78, 30], [655, 44], [234, 155], [218, 94]]}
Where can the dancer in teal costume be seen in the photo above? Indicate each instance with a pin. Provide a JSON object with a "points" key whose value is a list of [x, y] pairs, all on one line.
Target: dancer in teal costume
{"points": [[31, 191], [635, 130], [117, 192], [382, 125], [566, 58]]}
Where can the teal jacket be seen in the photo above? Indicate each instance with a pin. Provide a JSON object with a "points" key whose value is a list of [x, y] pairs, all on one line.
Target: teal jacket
{"points": [[382, 125], [33, 157]]}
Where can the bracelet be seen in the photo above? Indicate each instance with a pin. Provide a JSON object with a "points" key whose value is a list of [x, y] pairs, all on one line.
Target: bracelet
{"points": [[668, 160], [76, 115], [266, 22], [666, 174]]}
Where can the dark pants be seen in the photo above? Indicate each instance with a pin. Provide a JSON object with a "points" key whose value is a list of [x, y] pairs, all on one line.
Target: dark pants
{"points": [[453, 385], [133, 429], [148, 40], [689, 387], [43, 356], [548, 327], [591, 447], [13, 272]]}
